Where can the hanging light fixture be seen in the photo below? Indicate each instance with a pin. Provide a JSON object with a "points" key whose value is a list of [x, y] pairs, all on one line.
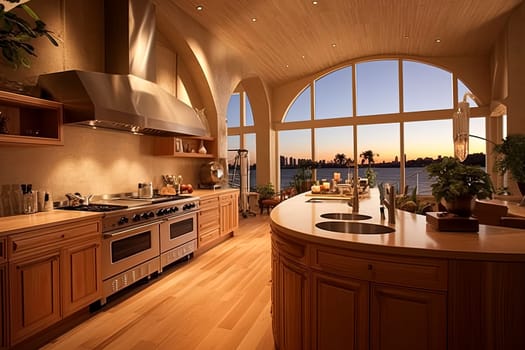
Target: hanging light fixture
{"points": [[460, 128]]}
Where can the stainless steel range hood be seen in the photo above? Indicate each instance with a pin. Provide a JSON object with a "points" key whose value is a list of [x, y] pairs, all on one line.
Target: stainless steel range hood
{"points": [[121, 98], [120, 102]]}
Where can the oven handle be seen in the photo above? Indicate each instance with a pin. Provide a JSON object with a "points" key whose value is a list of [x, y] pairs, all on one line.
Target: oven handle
{"points": [[134, 228], [181, 216]]}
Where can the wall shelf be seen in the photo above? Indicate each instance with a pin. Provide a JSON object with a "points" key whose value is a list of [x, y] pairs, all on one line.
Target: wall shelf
{"points": [[30, 120], [184, 146]]}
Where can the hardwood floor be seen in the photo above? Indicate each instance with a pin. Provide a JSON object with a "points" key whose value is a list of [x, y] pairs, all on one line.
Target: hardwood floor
{"points": [[219, 300]]}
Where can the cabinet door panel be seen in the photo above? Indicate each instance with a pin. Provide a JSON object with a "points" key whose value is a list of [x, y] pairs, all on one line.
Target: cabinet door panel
{"points": [[3, 307], [34, 295], [341, 313], [82, 276], [294, 305], [403, 318]]}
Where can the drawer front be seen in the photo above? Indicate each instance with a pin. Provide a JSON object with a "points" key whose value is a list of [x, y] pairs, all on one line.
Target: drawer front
{"points": [[208, 219], [209, 203], [398, 270], [208, 236], [31, 241], [226, 199]]}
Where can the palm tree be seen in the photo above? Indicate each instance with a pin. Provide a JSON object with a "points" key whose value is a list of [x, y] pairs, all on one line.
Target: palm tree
{"points": [[340, 159], [368, 156]]}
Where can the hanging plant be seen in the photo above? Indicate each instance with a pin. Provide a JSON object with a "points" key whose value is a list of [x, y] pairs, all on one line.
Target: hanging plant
{"points": [[16, 33]]}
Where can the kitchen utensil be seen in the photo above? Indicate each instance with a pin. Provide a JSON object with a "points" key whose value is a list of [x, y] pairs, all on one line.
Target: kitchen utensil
{"points": [[145, 190]]}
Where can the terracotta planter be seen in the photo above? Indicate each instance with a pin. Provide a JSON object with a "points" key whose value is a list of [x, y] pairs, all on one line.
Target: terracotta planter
{"points": [[461, 206]]}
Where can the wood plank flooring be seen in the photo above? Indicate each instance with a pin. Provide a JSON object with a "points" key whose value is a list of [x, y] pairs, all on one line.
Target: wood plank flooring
{"points": [[218, 300]]}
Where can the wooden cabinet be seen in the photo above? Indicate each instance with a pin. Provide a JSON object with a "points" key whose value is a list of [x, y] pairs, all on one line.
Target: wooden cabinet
{"points": [[34, 290], [229, 212], [53, 272], [209, 228], [3, 306], [340, 317], [218, 218], [30, 120], [187, 146], [403, 318], [82, 275], [355, 300]]}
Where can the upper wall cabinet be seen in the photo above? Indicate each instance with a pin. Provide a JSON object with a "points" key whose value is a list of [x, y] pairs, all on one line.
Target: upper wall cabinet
{"points": [[185, 146], [29, 120]]}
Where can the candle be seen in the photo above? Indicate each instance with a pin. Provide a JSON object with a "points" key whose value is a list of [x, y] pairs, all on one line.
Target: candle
{"points": [[316, 188], [325, 186], [337, 177]]}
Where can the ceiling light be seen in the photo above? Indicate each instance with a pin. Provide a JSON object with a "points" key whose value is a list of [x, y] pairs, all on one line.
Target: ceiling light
{"points": [[199, 7], [334, 45], [315, 2], [254, 19], [438, 40], [287, 66], [303, 57]]}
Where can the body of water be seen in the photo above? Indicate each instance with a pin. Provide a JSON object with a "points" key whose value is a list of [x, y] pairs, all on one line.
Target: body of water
{"points": [[414, 177]]}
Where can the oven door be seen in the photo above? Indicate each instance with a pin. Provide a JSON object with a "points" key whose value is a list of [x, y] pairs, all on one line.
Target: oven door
{"points": [[124, 249], [178, 230]]}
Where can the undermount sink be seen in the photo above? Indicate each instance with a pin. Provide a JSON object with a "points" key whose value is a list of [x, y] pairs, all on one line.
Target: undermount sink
{"points": [[345, 216], [353, 227]]}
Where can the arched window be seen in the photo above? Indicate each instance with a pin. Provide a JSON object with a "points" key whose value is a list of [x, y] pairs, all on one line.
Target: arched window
{"points": [[399, 109]]}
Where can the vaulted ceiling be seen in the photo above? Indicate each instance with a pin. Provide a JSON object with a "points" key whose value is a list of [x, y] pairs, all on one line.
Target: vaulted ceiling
{"points": [[286, 39]]}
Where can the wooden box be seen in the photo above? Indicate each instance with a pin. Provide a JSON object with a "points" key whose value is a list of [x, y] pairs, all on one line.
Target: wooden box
{"points": [[442, 221]]}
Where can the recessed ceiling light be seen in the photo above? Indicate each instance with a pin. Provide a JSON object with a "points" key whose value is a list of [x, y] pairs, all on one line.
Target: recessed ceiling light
{"points": [[287, 66], [315, 2], [405, 36], [438, 40], [254, 19], [303, 57], [334, 45], [199, 7]]}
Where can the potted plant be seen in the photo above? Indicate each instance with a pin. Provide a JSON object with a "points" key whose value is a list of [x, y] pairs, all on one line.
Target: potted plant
{"points": [[265, 191], [16, 33], [457, 185], [512, 158], [302, 180]]}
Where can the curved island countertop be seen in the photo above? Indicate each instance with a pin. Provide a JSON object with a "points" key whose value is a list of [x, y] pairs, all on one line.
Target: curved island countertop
{"points": [[297, 217], [414, 288]]}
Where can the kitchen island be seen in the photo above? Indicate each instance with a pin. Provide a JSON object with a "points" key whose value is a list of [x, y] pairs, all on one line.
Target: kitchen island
{"points": [[414, 288]]}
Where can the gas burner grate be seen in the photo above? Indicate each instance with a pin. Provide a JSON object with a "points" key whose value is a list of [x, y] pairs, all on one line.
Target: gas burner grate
{"points": [[95, 207]]}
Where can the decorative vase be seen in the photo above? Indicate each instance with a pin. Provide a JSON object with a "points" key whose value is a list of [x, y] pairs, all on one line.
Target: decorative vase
{"points": [[461, 206], [202, 149]]}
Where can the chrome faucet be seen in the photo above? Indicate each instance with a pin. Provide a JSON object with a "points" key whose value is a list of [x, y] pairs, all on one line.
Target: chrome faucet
{"points": [[390, 202]]}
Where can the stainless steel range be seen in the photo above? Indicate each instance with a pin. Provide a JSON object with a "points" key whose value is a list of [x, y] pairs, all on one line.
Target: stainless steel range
{"points": [[141, 237]]}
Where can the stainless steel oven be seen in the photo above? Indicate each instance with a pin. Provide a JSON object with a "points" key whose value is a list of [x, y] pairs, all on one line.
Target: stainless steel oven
{"points": [[129, 255], [178, 237]]}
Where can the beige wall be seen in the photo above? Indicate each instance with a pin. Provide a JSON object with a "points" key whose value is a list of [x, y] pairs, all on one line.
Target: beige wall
{"points": [[91, 161]]}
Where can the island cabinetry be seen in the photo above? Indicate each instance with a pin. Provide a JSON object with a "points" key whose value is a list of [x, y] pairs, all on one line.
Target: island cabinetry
{"points": [[53, 272], [357, 300], [3, 306], [30, 120], [185, 146], [291, 303], [209, 227], [229, 212]]}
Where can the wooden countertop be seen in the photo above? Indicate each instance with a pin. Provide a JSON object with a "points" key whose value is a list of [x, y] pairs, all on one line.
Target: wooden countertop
{"points": [[19, 223], [206, 193], [297, 217]]}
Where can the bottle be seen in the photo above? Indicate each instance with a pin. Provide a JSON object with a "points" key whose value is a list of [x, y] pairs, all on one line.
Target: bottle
{"points": [[202, 149], [28, 199]]}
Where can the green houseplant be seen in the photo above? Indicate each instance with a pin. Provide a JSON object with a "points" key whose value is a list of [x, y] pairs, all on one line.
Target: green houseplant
{"points": [[266, 191], [512, 158], [457, 185], [16, 33]]}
